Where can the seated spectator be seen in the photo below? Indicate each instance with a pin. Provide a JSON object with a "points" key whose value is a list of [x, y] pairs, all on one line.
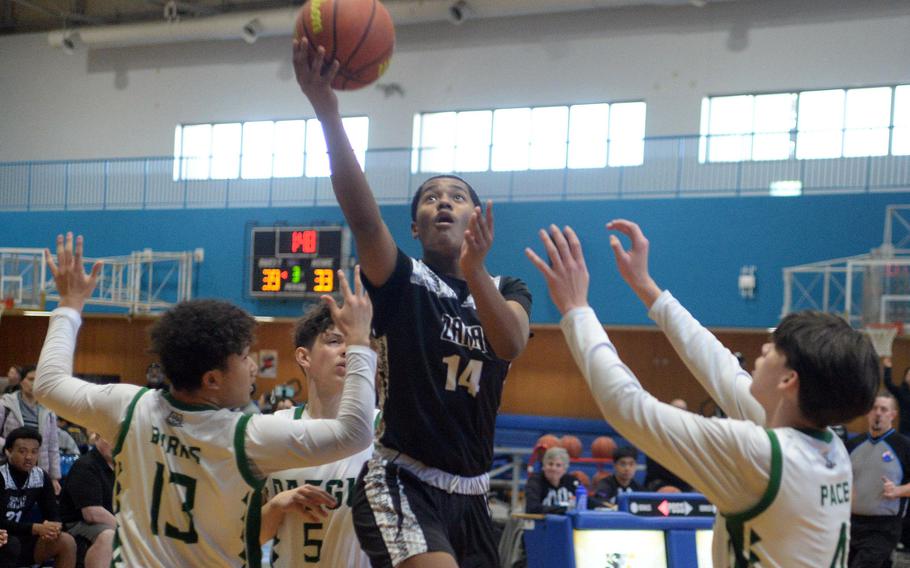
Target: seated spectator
{"points": [[553, 490], [657, 477], [76, 432], [19, 409], [85, 502], [24, 485], [68, 446], [623, 478]]}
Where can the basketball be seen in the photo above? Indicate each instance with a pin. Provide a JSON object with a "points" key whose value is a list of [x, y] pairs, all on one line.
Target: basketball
{"points": [[358, 33], [603, 447], [547, 441], [582, 477], [668, 489], [572, 445]]}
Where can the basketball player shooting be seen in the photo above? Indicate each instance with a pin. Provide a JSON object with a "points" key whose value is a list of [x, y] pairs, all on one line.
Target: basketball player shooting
{"points": [[451, 330], [778, 475]]}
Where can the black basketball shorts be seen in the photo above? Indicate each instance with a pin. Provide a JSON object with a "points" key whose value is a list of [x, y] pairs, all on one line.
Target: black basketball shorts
{"points": [[397, 516]]}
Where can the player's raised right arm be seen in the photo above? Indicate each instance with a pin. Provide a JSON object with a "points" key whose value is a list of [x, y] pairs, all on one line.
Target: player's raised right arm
{"points": [[98, 407], [375, 245]]}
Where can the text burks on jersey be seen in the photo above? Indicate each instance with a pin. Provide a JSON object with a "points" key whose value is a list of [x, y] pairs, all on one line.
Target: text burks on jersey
{"points": [[454, 330]]}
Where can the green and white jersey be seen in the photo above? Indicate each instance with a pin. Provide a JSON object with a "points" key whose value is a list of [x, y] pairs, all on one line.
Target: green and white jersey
{"points": [[188, 478], [783, 494], [178, 478], [803, 518], [332, 542]]}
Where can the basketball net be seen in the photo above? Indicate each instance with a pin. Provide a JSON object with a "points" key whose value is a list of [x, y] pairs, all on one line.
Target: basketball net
{"points": [[882, 336]]}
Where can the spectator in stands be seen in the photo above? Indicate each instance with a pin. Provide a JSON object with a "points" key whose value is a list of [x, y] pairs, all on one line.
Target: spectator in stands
{"points": [[553, 490], [657, 477], [23, 485], [85, 503], [623, 478], [881, 486], [76, 432], [68, 446], [901, 394], [19, 409]]}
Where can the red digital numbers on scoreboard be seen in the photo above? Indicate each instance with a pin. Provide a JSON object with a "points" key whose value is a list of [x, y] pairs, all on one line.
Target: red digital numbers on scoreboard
{"points": [[304, 241]]}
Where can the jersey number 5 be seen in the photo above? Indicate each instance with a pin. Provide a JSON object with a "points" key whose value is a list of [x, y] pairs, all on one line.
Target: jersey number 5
{"points": [[469, 378], [188, 483]]}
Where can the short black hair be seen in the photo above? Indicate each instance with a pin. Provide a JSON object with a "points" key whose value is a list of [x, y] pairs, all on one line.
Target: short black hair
{"points": [[311, 325], [26, 369], [414, 200], [197, 336], [21, 433], [836, 365], [625, 452]]}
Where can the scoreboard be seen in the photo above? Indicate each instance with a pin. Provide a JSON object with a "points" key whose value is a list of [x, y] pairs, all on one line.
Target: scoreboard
{"points": [[297, 262]]}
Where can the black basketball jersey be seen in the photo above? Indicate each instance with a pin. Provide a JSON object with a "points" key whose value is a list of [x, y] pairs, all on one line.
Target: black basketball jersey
{"points": [[18, 497], [444, 384]]}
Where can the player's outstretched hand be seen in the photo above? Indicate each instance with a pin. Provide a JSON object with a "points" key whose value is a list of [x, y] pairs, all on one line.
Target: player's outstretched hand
{"points": [[566, 274], [307, 500], [73, 284], [315, 77], [478, 239], [633, 263], [354, 317]]}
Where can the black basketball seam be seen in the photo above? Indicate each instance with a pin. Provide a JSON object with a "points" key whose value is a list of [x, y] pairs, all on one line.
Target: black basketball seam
{"points": [[363, 36], [379, 59]]}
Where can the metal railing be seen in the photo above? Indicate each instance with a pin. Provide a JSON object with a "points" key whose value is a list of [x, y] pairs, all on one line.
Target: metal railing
{"points": [[670, 168]]}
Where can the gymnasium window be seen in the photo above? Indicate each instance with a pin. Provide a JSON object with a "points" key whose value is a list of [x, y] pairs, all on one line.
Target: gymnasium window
{"points": [[831, 123], [260, 149], [539, 138]]}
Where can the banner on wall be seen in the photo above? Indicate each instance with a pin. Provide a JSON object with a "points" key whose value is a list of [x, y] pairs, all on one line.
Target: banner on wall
{"points": [[268, 364]]}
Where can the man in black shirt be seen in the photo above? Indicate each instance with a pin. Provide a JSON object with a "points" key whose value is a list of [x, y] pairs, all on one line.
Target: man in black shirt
{"points": [[451, 330], [85, 502], [552, 491], [22, 485], [881, 486]]}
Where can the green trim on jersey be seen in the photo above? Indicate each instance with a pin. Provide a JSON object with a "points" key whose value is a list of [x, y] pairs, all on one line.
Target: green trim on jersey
{"points": [[736, 523], [251, 530], [298, 412], [377, 421], [243, 464], [254, 506], [825, 435], [125, 425], [185, 406]]}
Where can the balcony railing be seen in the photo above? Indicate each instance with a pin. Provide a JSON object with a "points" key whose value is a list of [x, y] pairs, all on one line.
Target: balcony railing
{"points": [[670, 169]]}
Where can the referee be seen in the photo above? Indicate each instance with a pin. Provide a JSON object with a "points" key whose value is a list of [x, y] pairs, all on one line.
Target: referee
{"points": [[881, 481]]}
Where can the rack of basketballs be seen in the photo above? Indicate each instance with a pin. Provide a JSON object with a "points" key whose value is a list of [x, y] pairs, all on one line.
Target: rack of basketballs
{"points": [[602, 449]]}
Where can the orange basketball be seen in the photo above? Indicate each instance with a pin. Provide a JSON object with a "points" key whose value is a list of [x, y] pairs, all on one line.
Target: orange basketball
{"points": [[603, 447], [582, 477], [547, 441], [358, 33], [668, 489], [572, 445]]}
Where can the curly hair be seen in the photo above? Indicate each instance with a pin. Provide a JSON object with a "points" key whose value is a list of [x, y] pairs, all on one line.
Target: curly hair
{"points": [[197, 336]]}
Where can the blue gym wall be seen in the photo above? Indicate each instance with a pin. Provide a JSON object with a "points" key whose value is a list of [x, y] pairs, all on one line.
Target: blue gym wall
{"points": [[698, 245]]}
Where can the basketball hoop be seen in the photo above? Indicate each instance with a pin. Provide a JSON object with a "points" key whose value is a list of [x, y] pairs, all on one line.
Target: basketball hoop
{"points": [[882, 336]]}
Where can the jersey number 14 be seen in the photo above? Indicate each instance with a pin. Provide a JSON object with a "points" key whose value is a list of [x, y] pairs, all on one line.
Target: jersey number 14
{"points": [[469, 377]]}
